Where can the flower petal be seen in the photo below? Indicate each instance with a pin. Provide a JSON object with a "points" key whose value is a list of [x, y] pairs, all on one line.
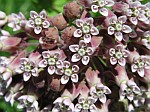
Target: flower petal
{"points": [[58, 100], [75, 68], [66, 64], [90, 21], [33, 14], [37, 30], [64, 79], [85, 60], [31, 24], [126, 29], [43, 63], [103, 11], [141, 72], [119, 36], [87, 38], [107, 90], [45, 24], [90, 50], [122, 19], [75, 58], [46, 54], [134, 68], [142, 17], [133, 20], [102, 98], [35, 72], [43, 14], [112, 51], [59, 71], [82, 43], [74, 48], [59, 64], [74, 78], [111, 30], [94, 8], [26, 76], [122, 61], [51, 70], [79, 22], [109, 3], [113, 60], [77, 33], [94, 31], [19, 70]]}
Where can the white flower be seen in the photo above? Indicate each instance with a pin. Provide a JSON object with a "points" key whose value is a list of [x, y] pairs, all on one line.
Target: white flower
{"points": [[28, 68], [146, 39], [82, 52], [117, 27], [85, 29], [100, 6], [38, 21]]}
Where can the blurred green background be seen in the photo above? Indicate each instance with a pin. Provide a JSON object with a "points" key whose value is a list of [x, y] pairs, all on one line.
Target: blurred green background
{"points": [[52, 7]]}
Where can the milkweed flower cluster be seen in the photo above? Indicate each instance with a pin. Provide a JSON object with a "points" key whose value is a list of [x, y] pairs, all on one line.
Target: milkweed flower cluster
{"points": [[94, 57]]}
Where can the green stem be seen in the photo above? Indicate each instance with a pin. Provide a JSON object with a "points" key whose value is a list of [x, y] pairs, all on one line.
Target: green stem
{"points": [[102, 61]]}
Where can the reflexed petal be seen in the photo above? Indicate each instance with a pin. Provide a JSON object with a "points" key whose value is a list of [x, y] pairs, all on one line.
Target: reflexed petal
{"points": [[79, 22], [142, 17], [111, 30], [66, 64], [74, 78], [81, 99], [30, 23], [75, 58], [8, 97], [18, 70], [8, 82], [122, 61], [89, 21], [37, 30], [33, 14], [90, 50], [26, 76], [64, 79], [24, 61], [59, 71], [112, 51], [74, 48], [58, 100], [75, 68], [78, 107], [122, 19], [85, 60], [59, 64], [133, 20], [125, 53], [43, 63], [87, 38], [46, 24], [94, 31], [90, 100], [141, 72], [113, 60], [93, 108], [35, 72], [71, 106], [43, 14], [67, 101], [41, 40], [109, 3], [107, 90], [134, 68], [103, 11], [51, 70], [119, 36], [46, 54], [94, 8], [130, 96], [77, 33], [102, 98], [92, 90], [126, 29]]}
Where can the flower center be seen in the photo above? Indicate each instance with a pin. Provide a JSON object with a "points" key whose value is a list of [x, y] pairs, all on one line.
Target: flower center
{"points": [[86, 106], [118, 55], [118, 27], [141, 64], [38, 21], [86, 28], [51, 61], [27, 68], [148, 13], [81, 52], [136, 12], [100, 92], [101, 3], [68, 72]]}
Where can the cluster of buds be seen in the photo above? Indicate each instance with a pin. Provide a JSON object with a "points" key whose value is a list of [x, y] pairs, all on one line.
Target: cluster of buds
{"points": [[95, 53]]}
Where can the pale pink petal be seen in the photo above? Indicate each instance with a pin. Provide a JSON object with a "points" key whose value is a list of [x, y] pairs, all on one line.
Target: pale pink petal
{"points": [[87, 38], [19, 70], [113, 60], [45, 24], [92, 90], [26, 76], [141, 72], [112, 51], [142, 17], [33, 14], [125, 53], [119, 36], [90, 50], [94, 8], [90, 21], [111, 30], [74, 48], [102, 98], [71, 106], [46, 54], [59, 64], [77, 33], [109, 3], [59, 71], [58, 100], [122, 19], [64, 79], [75, 68], [79, 22], [130, 96], [67, 101], [43, 14], [82, 43], [75, 58], [41, 40], [51, 70], [133, 20], [37, 29], [103, 11], [94, 31], [126, 29], [107, 90], [78, 107], [134, 68], [6, 75], [43, 63], [93, 108], [66, 64], [74, 78], [31, 24], [85, 60], [35, 72], [122, 61]]}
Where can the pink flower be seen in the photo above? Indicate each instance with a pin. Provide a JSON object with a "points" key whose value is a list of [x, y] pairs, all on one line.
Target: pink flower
{"points": [[118, 55], [38, 21], [82, 52], [146, 39], [118, 27], [99, 6], [86, 29]]}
